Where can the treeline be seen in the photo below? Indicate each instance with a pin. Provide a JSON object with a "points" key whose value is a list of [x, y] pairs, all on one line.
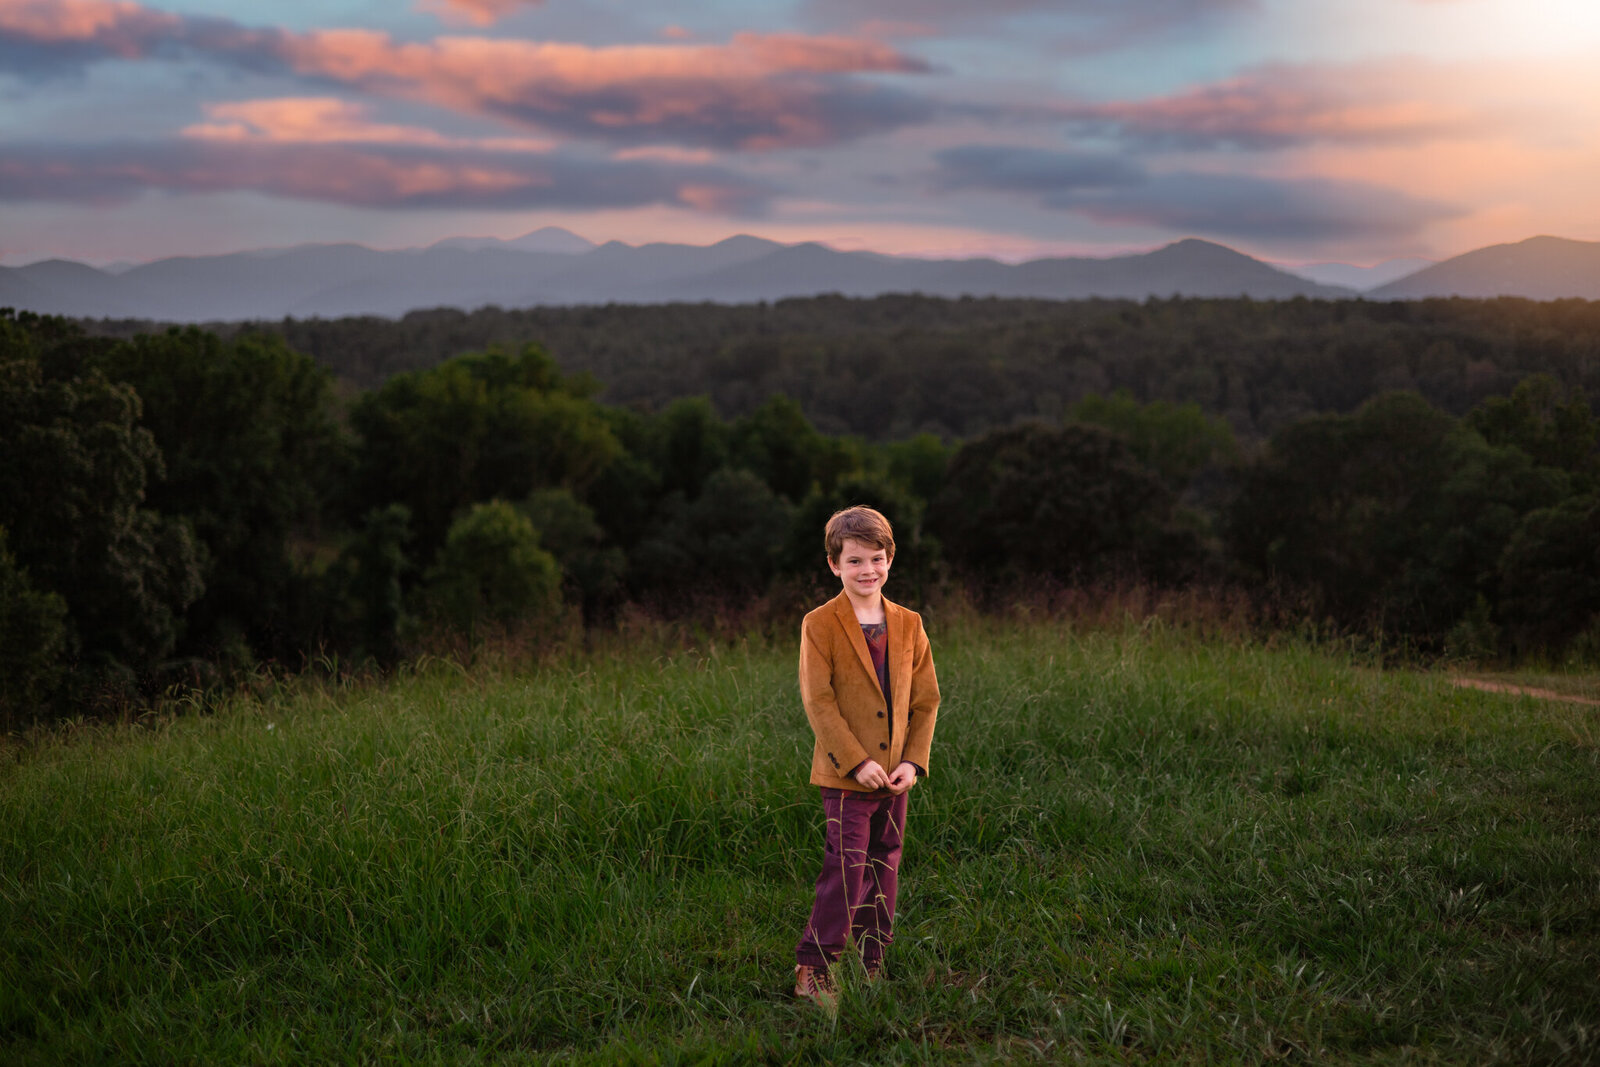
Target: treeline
{"points": [[177, 507], [888, 368]]}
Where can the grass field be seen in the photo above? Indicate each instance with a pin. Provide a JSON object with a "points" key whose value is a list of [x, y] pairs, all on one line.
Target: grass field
{"points": [[1134, 846]]}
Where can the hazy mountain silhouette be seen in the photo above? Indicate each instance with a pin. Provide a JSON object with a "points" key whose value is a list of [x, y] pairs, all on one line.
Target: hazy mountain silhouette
{"points": [[1541, 268], [1360, 279], [545, 239], [63, 287], [554, 266]]}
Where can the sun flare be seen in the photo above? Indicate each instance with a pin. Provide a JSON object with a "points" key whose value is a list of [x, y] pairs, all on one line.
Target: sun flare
{"points": [[1542, 27]]}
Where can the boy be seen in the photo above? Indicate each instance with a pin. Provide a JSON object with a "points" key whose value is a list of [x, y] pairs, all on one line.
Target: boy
{"points": [[867, 682]]}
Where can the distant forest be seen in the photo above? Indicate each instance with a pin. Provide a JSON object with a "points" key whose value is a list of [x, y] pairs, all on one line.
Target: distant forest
{"points": [[887, 368], [181, 506]]}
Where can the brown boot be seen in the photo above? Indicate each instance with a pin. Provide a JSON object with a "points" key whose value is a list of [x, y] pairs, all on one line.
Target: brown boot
{"points": [[815, 985]]}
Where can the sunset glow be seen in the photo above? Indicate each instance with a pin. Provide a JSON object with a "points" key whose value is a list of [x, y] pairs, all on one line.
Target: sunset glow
{"points": [[1296, 131]]}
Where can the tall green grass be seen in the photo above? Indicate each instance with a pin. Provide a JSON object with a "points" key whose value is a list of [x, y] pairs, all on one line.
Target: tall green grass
{"points": [[1134, 846]]}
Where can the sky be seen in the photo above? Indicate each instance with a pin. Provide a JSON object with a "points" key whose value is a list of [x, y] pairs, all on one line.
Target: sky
{"points": [[1299, 131]]}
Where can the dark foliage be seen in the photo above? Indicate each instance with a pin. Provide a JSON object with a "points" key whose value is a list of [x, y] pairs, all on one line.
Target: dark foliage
{"points": [[1395, 516], [365, 586], [75, 464], [1070, 502], [724, 543], [252, 456], [180, 505], [470, 430], [33, 635], [887, 368], [1550, 576]]}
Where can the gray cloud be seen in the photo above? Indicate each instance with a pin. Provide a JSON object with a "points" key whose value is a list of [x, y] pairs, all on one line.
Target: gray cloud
{"points": [[1090, 25], [1112, 189], [1264, 209], [367, 176], [784, 111], [1030, 170], [840, 11]]}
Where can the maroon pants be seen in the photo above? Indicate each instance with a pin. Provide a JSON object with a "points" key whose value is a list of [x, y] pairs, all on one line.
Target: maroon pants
{"points": [[860, 876]]}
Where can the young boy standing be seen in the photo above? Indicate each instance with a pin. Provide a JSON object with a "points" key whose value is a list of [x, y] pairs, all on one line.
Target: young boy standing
{"points": [[869, 689]]}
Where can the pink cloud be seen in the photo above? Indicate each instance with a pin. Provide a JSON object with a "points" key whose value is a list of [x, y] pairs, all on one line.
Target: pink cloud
{"points": [[488, 68], [1279, 106], [330, 120], [75, 20], [754, 91], [757, 91], [666, 153], [306, 120], [120, 28]]}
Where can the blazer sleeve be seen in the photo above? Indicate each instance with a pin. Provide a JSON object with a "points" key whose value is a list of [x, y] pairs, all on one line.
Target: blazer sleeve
{"points": [[924, 709], [821, 703]]}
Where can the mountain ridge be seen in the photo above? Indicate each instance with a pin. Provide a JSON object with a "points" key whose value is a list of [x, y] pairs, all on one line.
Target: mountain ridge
{"points": [[1539, 268], [551, 266]]}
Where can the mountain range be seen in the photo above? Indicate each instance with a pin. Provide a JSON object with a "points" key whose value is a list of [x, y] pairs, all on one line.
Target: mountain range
{"points": [[555, 267]]}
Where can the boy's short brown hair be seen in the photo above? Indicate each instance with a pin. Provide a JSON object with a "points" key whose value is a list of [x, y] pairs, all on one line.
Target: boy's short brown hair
{"points": [[859, 523]]}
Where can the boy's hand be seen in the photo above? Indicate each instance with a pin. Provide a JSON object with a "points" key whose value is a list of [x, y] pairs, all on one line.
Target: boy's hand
{"points": [[903, 778], [872, 775]]}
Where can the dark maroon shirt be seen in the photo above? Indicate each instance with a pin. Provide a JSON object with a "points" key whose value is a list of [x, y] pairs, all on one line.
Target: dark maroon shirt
{"points": [[877, 635]]}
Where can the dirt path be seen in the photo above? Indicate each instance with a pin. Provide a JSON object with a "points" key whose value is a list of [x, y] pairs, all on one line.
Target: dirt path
{"points": [[1523, 691]]}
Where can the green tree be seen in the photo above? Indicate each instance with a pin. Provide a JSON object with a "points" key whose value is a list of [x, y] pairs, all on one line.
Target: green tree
{"points": [[687, 443], [626, 494], [1177, 441], [725, 543], [1069, 502], [370, 572], [919, 464], [1394, 516], [74, 468], [472, 429], [252, 451], [569, 531], [778, 443], [1550, 575], [492, 570], [33, 641], [1552, 424]]}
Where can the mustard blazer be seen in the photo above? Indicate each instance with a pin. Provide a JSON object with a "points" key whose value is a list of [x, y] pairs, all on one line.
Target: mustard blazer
{"points": [[844, 702]]}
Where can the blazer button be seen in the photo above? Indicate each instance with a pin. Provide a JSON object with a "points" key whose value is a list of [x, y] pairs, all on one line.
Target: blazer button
{"points": [[880, 714], [883, 746]]}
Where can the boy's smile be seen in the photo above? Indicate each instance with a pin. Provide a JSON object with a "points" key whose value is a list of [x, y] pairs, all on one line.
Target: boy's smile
{"points": [[862, 569]]}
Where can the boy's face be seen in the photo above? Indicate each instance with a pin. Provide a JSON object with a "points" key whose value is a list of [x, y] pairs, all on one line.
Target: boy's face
{"points": [[862, 569]]}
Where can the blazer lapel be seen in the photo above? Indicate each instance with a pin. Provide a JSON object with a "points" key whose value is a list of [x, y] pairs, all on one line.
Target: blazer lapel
{"points": [[899, 651], [852, 632]]}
